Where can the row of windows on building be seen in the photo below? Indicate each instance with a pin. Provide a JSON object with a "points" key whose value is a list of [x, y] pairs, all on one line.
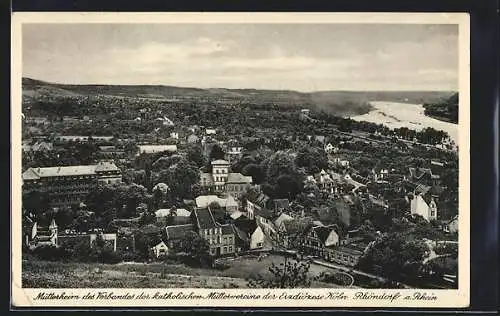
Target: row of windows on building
{"points": [[217, 240], [220, 179], [223, 171], [235, 188], [224, 250], [212, 231]]}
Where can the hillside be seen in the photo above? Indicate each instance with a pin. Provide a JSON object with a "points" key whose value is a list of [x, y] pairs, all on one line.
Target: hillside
{"points": [[338, 102], [444, 110]]}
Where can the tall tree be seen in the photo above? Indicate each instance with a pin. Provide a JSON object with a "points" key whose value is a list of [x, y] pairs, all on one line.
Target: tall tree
{"points": [[216, 153]]}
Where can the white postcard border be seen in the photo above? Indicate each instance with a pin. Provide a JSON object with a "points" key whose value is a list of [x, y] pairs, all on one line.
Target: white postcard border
{"points": [[444, 298]]}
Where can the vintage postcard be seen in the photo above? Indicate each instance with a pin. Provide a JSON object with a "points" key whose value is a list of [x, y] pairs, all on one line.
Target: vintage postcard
{"points": [[240, 160]]}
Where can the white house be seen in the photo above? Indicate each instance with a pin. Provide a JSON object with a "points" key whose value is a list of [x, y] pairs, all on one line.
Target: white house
{"points": [[174, 135], [257, 238], [160, 250], [164, 212], [210, 131], [228, 203], [424, 206]]}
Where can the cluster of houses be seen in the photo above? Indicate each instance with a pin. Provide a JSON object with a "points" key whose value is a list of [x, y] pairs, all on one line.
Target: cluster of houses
{"points": [[235, 216]]}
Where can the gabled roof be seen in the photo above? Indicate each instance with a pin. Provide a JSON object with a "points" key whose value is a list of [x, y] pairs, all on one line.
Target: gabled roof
{"points": [[297, 226], [419, 172], [178, 231], [240, 234], [258, 198], [204, 218], [282, 218], [106, 166], [248, 226], [323, 232], [161, 244]]}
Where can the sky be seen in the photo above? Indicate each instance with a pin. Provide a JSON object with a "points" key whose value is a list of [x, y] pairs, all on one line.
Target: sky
{"points": [[302, 57]]}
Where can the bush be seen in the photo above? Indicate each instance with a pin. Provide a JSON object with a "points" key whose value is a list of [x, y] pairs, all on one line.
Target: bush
{"points": [[50, 253], [110, 257]]}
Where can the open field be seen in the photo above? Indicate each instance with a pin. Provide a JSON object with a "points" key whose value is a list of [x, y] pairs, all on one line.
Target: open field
{"points": [[48, 274]]}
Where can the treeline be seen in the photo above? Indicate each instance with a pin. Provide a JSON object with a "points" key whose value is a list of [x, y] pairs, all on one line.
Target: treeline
{"points": [[445, 111]]}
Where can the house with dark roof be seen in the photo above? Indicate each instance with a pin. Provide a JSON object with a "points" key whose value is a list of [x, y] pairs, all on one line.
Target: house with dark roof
{"points": [[220, 237], [248, 234], [423, 176], [255, 202]]}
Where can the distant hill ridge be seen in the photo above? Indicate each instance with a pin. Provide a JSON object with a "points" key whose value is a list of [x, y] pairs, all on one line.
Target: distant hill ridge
{"points": [[343, 102]]}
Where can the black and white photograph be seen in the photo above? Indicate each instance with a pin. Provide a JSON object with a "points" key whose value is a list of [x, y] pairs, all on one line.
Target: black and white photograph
{"points": [[240, 154]]}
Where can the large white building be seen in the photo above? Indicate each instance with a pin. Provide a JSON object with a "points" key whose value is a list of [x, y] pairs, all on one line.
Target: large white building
{"points": [[68, 185]]}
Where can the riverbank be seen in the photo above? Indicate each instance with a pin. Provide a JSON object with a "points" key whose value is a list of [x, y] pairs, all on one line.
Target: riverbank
{"points": [[397, 115]]}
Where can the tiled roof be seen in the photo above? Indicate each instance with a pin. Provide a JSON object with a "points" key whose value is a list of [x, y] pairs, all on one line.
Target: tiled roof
{"points": [[297, 226], [204, 218], [241, 234], [64, 171], [246, 225], [258, 198], [178, 231], [37, 173], [106, 166], [238, 178]]}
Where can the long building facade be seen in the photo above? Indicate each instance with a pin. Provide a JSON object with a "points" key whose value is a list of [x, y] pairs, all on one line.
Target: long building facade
{"points": [[69, 185]]}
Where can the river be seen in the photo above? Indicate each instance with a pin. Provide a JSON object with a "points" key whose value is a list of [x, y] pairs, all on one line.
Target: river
{"points": [[396, 115]]}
